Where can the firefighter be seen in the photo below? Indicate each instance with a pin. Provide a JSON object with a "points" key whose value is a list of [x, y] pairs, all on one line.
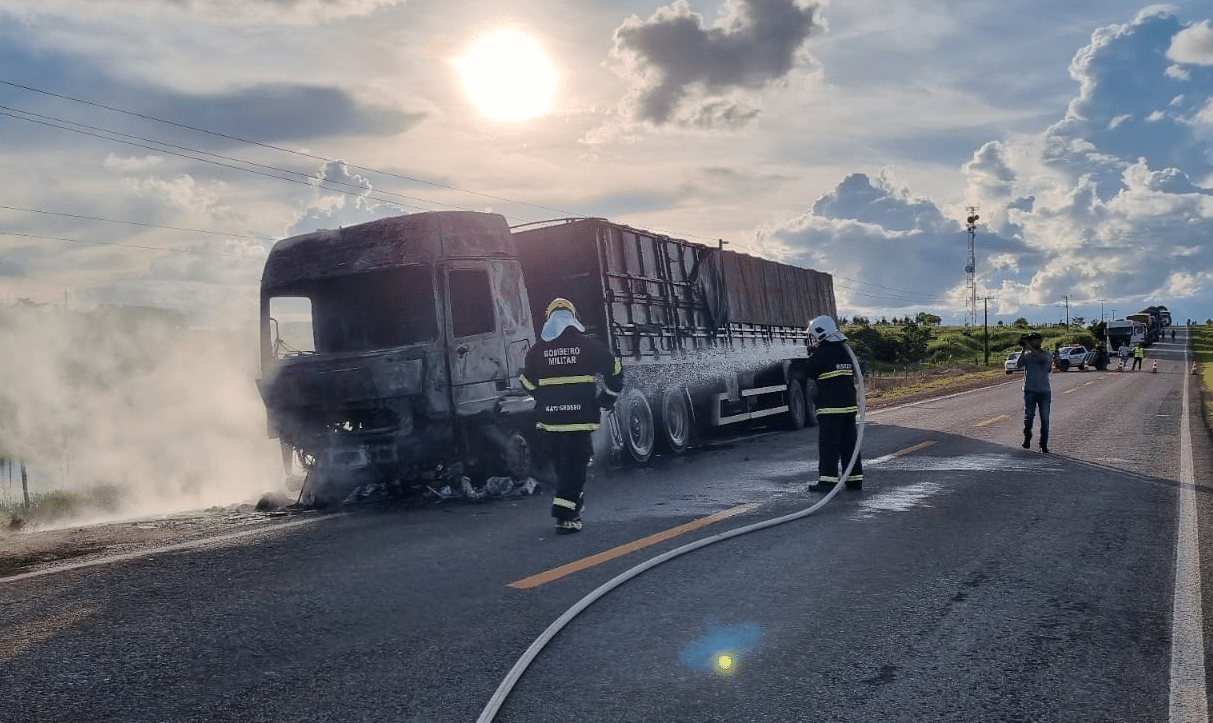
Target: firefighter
{"points": [[1139, 353], [831, 368], [562, 373]]}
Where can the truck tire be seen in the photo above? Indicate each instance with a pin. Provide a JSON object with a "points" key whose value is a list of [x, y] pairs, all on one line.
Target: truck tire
{"points": [[798, 404], [677, 422], [636, 425], [1063, 366]]}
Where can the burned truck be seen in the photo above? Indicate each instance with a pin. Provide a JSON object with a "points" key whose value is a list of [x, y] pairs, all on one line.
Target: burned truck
{"points": [[391, 350]]}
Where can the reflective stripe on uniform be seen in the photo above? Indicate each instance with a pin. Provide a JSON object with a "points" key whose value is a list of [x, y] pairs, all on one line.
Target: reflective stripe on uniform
{"points": [[618, 365], [839, 373], [567, 504], [827, 479], [583, 379], [583, 427], [855, 478], [527, 384], [837, 410]]}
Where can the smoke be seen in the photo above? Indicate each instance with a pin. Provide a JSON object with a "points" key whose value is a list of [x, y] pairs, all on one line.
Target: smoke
{"points": [[129, 406]]}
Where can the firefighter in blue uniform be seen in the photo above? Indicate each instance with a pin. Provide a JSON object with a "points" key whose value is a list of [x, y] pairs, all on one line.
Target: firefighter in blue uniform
{"points": [[561, 372], [830, 367]]}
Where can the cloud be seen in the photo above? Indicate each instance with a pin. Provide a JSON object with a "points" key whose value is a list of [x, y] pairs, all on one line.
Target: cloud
{"points": [[1193, 45], [284, 12], [857, 228], [684, 72]]}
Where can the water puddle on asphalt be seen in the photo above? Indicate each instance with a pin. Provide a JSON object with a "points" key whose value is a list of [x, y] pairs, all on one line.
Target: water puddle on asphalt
{"points": [[902, 499]]}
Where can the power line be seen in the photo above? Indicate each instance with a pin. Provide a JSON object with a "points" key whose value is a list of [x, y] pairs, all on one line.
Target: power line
{"points": [[130, 223], [281, 149], [130, 246]]}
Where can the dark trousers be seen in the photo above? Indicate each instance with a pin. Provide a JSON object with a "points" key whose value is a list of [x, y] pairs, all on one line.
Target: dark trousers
{"points": [[836, 436], [1136, 363], [1032, 401], [570, 454]]}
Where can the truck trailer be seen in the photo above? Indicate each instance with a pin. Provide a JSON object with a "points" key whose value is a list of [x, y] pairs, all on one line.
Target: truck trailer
{"points": [[391, 350]]}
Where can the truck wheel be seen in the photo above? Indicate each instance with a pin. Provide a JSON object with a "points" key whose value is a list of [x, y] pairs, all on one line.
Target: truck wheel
{"points": [[798, 410], [1063, 366], [636, 425], [676, 420]]}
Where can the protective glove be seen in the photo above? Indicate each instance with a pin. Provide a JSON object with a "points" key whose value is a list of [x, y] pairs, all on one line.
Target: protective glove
{"points": [[606, 401]]}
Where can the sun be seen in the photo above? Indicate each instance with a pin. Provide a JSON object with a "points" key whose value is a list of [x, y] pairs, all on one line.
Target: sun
{"points": [[507, 75]]}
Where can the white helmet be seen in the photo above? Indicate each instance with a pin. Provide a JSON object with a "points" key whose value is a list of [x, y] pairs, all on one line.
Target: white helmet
{"points": [[823, 328]]}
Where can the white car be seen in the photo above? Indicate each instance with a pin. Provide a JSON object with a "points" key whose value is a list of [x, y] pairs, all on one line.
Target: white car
{"points": [[1011, 364]]}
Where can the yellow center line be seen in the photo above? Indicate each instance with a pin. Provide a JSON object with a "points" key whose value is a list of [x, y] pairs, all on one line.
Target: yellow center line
{"points": [[577, 565], [901, 452], [1070, 391], [988, 422]]}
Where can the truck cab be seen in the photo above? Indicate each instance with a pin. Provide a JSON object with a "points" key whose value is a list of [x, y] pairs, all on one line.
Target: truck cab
{"points": [[391, 348]]}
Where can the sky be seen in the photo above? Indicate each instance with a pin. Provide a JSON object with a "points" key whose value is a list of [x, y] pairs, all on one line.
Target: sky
{"points": [[154, 150]]}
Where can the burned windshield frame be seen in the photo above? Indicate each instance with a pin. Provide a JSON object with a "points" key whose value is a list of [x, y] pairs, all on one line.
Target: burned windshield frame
{"points": [[378, 309]]}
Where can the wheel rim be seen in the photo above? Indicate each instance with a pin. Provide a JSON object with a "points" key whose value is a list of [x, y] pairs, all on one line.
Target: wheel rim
{"points": [[676, 420], [638, 427]]}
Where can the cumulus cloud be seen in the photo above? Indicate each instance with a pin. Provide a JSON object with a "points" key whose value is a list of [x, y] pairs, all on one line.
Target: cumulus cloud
{"points": [[1103, 205], [1193, 45], [684, 71]]}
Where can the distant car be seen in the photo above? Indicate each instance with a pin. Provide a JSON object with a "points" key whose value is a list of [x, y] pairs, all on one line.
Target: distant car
{"points": [[1073, 356], [1012, 363]]}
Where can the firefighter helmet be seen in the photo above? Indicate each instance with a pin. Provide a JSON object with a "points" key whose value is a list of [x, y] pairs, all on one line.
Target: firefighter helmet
{"points": [[559, 303], [823, 328], [560, 315]]}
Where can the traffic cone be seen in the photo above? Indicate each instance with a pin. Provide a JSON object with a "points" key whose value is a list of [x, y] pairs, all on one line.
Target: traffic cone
{"points": [[1193, 368], [1120, 367], [1154, 369]]}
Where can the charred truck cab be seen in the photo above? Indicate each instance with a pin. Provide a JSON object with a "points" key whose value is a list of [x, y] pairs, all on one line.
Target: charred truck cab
{"points": [[392, 349]]}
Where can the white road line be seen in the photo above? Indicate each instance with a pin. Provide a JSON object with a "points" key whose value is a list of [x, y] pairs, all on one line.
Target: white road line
{"points": [[1189, 702], [166, 548]]}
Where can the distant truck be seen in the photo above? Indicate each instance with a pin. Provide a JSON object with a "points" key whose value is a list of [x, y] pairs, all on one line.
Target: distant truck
{"points": [[391, 350], [1121, 332]]}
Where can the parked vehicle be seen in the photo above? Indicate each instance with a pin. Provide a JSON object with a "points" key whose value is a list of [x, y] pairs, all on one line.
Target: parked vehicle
{"points": [[391, 350], [1121, 332], [1011, 364], [1073, 356]]}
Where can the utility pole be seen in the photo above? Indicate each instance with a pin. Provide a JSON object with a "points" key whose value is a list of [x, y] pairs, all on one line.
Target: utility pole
{"points": [[1067, 298], [986, 326], [1101, 319], [971, 268]]}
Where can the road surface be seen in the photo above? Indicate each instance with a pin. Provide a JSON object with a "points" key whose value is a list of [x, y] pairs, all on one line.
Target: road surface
{"points": [[970, 580]]}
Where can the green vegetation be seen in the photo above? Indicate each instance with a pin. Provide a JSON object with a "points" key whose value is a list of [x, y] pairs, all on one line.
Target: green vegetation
{"points": [[55, 506], [910, 345], [1201, 342]]}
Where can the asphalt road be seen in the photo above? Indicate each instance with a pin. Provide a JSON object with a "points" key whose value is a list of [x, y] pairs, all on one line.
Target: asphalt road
{"points": [[970, 580]]}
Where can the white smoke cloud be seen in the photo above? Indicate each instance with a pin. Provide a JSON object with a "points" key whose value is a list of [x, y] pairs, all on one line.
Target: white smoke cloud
{"points": [[131, 401]]}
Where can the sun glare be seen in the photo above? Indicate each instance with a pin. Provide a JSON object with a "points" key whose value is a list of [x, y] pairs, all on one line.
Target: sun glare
{"points": [[507, 75]]}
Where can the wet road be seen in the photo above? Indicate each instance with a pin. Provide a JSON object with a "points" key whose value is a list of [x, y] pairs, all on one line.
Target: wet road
{"points": [[971, 579]]}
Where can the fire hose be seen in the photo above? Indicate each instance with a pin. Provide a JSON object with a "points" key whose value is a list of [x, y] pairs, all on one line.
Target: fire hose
{"points": [[507, 684]]}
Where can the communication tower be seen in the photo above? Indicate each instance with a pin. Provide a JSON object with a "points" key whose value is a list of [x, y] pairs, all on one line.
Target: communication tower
{"points": [[971, 268]]}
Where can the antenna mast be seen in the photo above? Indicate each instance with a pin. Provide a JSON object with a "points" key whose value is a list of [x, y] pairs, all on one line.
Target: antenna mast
{"points": [[971, 268]]}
